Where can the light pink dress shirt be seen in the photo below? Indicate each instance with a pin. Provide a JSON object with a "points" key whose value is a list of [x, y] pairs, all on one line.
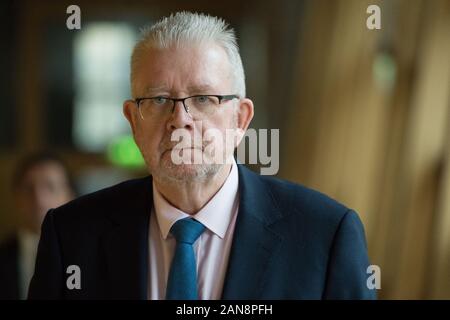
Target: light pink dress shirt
{"points": [[211, 249]]}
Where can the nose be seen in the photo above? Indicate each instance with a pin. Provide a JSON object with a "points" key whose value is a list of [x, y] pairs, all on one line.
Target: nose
{"points": [[180, 118]]}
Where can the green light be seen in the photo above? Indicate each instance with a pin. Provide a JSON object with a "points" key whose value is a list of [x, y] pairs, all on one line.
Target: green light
{"points": [[124, 152], [385, 71]]}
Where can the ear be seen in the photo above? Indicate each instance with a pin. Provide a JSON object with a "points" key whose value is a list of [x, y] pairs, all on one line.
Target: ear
{"points": [[244, 114], [131, 113], [244, 117]]}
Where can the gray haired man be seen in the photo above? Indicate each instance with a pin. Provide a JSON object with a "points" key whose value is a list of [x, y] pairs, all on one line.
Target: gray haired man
{"points": [[206, 229]]}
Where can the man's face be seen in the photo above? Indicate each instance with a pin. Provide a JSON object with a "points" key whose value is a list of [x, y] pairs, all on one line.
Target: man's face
{"points": [[44, 186], [178, 73]]}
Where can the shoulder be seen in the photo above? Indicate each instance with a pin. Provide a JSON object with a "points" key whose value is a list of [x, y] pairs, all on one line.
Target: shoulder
{"points": [[102, 203], [298, 202], [307, 220]]}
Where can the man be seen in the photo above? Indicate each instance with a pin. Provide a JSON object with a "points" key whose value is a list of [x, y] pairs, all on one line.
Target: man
{"points": [[207, 229], [41, 182]]}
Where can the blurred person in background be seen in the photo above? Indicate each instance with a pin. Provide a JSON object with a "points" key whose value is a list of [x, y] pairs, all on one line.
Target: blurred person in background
{"points": [[41, 182]]}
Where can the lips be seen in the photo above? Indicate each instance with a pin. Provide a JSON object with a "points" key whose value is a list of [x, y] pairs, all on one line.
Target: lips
{"points": [[184, 148], [178, 147]]}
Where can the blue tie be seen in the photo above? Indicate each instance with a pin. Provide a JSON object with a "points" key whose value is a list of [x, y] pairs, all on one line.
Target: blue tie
{"points": [[182, 282]]}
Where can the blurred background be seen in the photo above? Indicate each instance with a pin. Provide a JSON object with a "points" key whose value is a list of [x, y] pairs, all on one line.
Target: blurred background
{"points": [[364, 115]]}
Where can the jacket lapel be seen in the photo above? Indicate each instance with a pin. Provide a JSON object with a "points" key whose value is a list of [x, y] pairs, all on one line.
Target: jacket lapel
{"points": [[126, 244], [254, 242]]}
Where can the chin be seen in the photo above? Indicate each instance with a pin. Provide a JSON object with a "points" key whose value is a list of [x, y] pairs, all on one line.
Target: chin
{"points": [[165, 169], [187, 172]]}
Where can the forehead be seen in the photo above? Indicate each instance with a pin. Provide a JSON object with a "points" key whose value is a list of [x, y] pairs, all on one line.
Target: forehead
{"points": [[188, 68]]}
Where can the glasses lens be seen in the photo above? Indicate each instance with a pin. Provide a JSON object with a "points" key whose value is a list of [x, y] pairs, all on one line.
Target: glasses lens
{"points": [[154, 107], [202, 105]]}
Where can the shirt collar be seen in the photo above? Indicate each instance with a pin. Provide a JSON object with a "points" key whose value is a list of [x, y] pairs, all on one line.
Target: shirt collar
{"points": [[216, 215]]}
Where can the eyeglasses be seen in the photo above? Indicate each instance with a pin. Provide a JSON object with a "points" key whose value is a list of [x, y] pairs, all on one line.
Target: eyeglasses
{"points": [[198, 106]]}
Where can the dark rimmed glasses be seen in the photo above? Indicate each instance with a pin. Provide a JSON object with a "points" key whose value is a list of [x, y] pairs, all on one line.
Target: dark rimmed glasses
{"points": [[198, 106]]}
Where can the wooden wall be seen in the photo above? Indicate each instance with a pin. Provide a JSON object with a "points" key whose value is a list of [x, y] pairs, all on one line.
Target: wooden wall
{"points": [[383, 151]]}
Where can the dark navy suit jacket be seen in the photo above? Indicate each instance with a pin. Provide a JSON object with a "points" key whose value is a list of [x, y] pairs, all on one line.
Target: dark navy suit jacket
{"points": [[290, 242]]}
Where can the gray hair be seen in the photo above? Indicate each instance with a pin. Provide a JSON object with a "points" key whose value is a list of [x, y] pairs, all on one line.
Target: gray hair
{"points": [[187, 27]]}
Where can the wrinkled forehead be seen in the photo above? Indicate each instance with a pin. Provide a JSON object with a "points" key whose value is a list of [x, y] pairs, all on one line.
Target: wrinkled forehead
{"points": [[191, 69]]}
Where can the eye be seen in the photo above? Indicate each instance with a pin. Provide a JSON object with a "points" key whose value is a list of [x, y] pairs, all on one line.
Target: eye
{"points": [[159, 100], [202, 99]]}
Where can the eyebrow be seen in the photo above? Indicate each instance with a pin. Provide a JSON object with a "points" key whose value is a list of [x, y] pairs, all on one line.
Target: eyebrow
{"points": [[202, 88], [149, 90]]}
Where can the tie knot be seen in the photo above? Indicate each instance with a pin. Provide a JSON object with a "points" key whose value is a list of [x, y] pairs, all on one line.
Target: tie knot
{"points": [[187, 230]]}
